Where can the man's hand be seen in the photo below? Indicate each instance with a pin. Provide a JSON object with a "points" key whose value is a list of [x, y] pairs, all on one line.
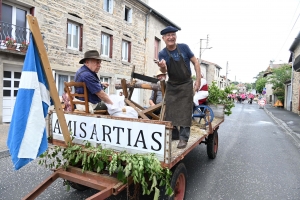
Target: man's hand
{"points": [[163, 65], [105, 84], [197, 85]]}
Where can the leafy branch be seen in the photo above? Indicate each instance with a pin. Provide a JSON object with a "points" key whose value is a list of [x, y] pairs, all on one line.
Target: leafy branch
{"points": [[143, 168]]}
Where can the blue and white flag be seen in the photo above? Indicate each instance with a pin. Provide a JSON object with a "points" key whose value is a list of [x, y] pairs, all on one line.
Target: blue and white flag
{"points": [[27, 138]]}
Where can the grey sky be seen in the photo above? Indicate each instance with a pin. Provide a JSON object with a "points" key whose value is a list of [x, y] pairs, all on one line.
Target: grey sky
{"points": [[246, 33]]}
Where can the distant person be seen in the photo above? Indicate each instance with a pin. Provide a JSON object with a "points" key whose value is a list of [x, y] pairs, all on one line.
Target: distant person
{"points": [[66, 101], [156, 95]]}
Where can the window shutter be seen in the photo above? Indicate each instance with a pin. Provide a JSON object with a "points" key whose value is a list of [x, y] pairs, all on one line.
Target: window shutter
{"points": [[31, 10], [67, 35], [129, 51], [110, 46], [80, 37]]}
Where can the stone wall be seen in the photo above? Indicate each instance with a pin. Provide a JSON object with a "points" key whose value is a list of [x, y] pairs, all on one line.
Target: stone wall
{"points": [[296, 86]]}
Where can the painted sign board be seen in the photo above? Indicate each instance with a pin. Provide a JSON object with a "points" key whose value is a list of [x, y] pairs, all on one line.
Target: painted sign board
{"points": [[115, 134]]}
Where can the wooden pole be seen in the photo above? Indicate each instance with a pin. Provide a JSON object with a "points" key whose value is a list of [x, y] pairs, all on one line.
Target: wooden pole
{"points": [[37, 36]]}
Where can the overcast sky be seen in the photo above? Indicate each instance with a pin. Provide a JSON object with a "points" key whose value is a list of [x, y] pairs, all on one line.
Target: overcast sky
{"points": [[246, 33]]}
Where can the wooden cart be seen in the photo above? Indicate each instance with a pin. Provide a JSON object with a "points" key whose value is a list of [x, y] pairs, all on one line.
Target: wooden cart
{"points": [[163, 147]]}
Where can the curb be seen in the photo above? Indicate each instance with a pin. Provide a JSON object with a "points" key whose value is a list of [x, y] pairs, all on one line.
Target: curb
{"points": [[284, 126]]}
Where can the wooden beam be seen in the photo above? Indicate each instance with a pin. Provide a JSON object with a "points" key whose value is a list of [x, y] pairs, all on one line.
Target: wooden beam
{"points": [[37, 36]]}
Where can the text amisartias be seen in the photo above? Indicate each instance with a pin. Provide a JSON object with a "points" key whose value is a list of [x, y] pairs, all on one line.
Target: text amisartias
{"points": [[133, 135]]}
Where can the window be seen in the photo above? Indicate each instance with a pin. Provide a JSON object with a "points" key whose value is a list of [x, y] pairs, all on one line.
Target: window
{"points": [[106, 45], [156, 48], [108, 6], [105, 79], [128, 14], [126, 48], [74, 36], [13, 22], [60, 78]]}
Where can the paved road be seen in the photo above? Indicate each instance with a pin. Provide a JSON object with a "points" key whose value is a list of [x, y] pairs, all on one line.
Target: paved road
{"points": [[256, 160]]}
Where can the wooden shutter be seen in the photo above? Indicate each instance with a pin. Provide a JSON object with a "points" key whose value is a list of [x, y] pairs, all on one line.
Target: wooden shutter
{"points": [[80, 37], [110, 46], [129, 51], [31, 10]]}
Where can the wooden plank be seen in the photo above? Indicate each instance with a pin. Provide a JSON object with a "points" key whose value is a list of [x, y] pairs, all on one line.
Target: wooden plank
{"points": [[37, 36], [39, 189]]}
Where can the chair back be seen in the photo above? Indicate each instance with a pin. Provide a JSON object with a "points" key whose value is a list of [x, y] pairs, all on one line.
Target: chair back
{"points": [[73, 95]]}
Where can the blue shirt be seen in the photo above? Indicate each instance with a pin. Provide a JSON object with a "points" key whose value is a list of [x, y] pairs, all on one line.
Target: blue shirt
{"points": [[185, 51], [93, 84]]}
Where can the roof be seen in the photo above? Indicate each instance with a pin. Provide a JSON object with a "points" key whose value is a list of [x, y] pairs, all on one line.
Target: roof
{"points": [[295, 43], [270, 67], [160, 16], [210, 63]]}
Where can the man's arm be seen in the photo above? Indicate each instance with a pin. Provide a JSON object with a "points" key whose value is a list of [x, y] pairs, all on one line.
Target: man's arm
{"points": [[151, 99], [104, 97], [198, 73]]}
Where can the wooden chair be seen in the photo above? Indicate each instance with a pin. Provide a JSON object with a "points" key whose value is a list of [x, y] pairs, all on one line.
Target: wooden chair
{"points": [[74, 95]]}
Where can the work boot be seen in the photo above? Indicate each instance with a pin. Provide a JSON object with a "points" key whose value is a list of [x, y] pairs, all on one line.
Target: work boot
{"points": [[182, 144], [175, 133]]}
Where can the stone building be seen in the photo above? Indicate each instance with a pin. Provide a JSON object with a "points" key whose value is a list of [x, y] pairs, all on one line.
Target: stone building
{"points": [[211, 72], [293, 97], [125, 32]]}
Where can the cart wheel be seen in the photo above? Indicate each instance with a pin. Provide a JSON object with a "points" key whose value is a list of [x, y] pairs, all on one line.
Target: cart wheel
{"points": [[203, 112], [77, 186], [178, 183], [212, 145]]}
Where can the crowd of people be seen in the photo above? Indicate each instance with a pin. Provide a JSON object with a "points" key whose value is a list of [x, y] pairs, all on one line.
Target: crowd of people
{"points": [[242, 97]]}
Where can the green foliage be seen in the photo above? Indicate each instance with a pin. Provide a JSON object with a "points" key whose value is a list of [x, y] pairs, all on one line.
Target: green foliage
{"points": [[260, 84], [278, 78], [194, 77], [143, 168], [218, 96], [248, 86]]}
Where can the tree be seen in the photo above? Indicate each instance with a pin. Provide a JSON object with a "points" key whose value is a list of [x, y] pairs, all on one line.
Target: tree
{"points": [[260, 84], [278, 78]]}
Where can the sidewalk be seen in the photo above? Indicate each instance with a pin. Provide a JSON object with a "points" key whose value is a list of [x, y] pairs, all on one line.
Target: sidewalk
{"points": [[287, 120]]}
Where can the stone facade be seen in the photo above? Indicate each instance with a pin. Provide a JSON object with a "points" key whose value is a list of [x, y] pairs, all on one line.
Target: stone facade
{"points": [[295, 82], [141, 32]]}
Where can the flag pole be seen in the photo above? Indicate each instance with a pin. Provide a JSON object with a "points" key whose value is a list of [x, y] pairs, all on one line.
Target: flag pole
{"points": [[35, 30]]}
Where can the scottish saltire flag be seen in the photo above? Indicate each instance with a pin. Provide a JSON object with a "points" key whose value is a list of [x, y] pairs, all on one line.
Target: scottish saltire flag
{"points": [[27, 138]]}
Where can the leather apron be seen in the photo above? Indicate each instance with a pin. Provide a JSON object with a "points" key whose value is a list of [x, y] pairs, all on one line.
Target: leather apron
{"points": [[179, 93]]}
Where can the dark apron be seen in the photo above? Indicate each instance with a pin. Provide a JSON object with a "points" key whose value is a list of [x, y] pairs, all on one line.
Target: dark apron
{"points": [[179, 93]]}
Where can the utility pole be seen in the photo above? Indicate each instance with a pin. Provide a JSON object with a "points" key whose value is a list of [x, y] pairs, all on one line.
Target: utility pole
{"points": [[226, 73], [200, 53]]}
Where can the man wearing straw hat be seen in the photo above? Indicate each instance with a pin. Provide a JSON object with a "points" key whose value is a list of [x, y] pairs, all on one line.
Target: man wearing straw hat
{"points": [[156, 96], [175, 60], [88, 74]]}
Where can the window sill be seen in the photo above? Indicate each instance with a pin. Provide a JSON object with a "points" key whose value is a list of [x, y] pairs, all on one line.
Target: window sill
{"points": [[72, 51], [126, 63], [105, 59]]}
